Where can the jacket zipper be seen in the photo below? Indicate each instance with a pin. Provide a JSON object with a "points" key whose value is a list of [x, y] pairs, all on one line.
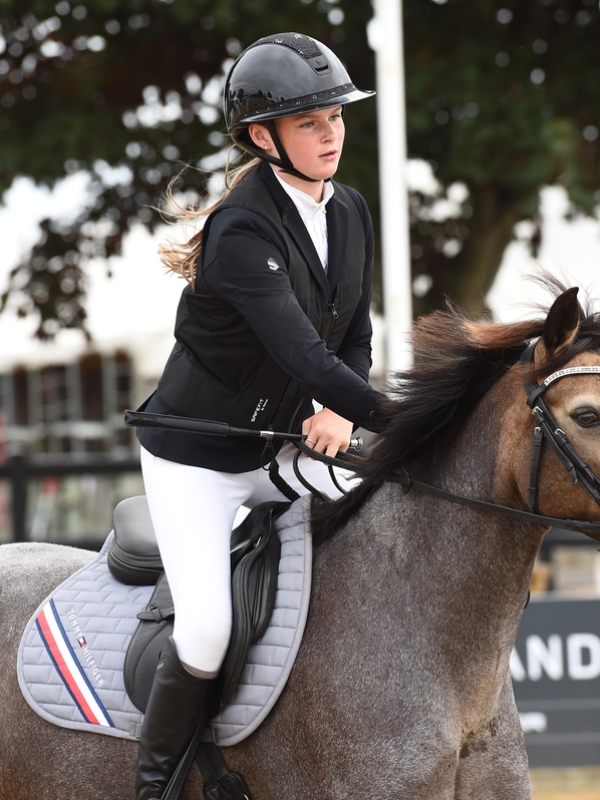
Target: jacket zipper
{"points": [[332, 319], [295, 414]]}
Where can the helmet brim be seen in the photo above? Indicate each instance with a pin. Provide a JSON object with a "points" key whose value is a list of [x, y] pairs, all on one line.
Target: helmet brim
{"points": [[351, 96]]}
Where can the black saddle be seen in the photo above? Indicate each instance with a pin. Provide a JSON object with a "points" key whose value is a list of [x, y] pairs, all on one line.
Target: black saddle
{"points": [[133, 558]]}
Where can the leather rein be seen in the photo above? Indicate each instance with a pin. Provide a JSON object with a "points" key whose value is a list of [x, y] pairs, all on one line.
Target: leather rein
{"points": [[546, 429]]}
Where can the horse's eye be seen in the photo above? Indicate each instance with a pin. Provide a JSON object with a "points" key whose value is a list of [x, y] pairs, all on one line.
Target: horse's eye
{"points": [[586, 419]]}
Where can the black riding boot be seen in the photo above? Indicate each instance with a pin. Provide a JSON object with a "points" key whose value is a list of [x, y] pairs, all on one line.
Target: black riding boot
{"points": [[176, 707]]}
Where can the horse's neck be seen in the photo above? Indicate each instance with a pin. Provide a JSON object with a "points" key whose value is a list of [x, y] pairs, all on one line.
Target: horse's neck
{"points": [[441, 585], [466, 457], [483, 561], [473, 462]]}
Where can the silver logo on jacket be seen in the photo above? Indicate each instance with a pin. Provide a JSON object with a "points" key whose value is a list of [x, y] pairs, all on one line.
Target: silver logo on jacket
{"points": [[272, 264]]}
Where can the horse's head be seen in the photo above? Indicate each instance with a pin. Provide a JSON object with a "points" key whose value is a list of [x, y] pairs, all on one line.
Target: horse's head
{"points": [[469, 377], [565, 415]]}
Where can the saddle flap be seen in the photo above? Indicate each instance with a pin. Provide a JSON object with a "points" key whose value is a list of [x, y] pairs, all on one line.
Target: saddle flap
{"points": [[255, 566], [146, 644], [253, 585]]}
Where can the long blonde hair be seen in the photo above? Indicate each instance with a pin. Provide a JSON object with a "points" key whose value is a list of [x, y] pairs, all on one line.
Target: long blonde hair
{"points": [[183, 258]]}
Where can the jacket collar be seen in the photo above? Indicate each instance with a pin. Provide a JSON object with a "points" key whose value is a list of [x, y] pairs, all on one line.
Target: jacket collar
{"points": [[337, 228]]}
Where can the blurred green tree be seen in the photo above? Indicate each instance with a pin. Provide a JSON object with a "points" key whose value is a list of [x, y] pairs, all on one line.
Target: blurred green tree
{"points": [[129, 91], [502, 100]]}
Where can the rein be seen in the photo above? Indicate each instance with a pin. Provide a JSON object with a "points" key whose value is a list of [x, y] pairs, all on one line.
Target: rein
{"points": [[546, 429], [404, 479]]}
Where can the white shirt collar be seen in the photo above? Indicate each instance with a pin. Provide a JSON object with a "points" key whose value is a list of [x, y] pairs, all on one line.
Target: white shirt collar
{"points": [[307, 207]]}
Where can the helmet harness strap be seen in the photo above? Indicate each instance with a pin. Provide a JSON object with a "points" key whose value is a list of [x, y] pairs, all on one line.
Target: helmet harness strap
{"points": [[284, 161], [288, 167]]}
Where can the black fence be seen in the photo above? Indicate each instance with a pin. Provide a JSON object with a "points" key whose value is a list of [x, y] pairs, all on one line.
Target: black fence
{"points": [[20, 470]]}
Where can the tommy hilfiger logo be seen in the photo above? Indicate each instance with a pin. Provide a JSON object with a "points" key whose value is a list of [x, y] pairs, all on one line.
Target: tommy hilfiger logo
{"points": [[85, 650]]}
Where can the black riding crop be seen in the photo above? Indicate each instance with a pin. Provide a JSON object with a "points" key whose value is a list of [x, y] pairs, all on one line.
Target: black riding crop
{"points": [[143, 419]]}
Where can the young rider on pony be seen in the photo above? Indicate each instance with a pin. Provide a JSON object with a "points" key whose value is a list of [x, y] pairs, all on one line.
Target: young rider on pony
{"points": [[276, 313]]}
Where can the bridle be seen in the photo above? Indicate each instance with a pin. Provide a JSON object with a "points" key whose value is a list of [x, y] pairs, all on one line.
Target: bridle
{"points": [[546, 429]]}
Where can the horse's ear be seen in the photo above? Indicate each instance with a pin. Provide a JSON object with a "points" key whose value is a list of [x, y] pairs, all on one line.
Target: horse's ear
{"points": [[562, 324]]}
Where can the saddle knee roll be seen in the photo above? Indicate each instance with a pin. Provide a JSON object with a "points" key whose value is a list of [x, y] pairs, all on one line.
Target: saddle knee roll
{"points": [[133, 557]]}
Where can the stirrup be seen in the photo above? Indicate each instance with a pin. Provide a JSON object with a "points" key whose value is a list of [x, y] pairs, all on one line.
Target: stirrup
{"points": [[230, 787], [219, 782]]}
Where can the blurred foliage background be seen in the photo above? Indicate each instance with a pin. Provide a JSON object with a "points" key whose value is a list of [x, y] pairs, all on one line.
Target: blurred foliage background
{"points": [[502, 100]]}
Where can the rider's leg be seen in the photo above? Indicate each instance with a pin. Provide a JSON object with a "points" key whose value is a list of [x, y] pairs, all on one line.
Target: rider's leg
{"points": [[176, 708], [192, 512]]}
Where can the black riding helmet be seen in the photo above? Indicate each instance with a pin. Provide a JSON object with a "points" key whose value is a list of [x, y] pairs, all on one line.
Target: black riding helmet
{"points": [[279, 76]]}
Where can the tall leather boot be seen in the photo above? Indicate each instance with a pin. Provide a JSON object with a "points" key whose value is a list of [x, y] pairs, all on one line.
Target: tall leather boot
{"points": [[177, 706]]}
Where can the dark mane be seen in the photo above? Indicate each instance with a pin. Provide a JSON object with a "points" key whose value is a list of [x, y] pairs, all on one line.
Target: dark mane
{"points": [[457, 361]]}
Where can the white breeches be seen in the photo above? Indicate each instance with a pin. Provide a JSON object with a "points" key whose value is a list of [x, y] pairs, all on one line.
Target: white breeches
{"points": [[193, 511]]}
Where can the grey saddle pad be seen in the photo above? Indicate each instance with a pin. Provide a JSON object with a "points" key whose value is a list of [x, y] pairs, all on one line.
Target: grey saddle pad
{"points": [[70, 662]]}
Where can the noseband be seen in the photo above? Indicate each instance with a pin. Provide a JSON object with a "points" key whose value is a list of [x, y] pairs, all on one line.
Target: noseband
{"points": [[547, 429]]}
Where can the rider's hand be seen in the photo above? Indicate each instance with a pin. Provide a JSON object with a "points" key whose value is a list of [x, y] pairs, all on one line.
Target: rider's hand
{"points": [[327, 432]]}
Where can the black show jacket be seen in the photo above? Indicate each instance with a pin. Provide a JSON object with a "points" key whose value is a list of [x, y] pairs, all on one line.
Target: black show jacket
{"points": [[266, 330]]}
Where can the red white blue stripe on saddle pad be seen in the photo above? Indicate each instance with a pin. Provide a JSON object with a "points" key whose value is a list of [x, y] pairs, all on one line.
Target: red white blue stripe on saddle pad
{"points": [[70, 662], [66, 663]]}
